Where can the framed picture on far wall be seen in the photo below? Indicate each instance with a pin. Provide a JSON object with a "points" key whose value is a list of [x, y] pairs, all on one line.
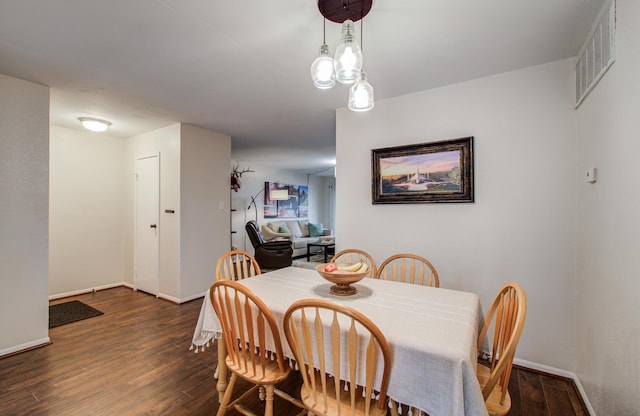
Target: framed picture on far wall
{"points": [[270, 211], [423, 173], [295, 206], [288, 208], [270, 207], [303, 201]]}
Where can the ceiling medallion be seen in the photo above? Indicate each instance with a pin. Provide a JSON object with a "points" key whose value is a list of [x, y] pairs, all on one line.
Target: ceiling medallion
{"points": [[340, 10]]}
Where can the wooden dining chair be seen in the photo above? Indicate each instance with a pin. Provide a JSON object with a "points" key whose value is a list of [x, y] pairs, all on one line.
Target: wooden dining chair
{"points": [[247, 324], [332, 344], [409, 268], [354, 255], [505, 321], [236, 265]]}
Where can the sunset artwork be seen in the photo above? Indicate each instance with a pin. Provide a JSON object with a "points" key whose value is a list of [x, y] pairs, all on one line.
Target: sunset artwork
{"points": [[422, 173], [437, 172]]}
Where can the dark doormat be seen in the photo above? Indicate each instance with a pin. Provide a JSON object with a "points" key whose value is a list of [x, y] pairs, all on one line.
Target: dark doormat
{"points": [[65, 313]]}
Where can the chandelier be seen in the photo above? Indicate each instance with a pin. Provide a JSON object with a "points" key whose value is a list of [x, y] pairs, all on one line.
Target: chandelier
{"points": [[347, 63]]}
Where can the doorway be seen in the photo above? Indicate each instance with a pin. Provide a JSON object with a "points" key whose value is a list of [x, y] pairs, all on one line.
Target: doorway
{"points": [[147, 231]]}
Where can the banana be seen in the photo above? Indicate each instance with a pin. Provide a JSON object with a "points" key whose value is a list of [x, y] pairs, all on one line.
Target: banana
{"points": [[364, 268], [350, 268]]}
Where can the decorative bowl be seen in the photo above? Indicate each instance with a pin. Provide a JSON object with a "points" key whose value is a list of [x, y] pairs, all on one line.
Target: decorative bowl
{"points": [[326, 239], [342, 280]]}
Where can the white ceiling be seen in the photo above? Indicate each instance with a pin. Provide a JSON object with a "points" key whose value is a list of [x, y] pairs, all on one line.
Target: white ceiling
{"points": [[241, 67]]}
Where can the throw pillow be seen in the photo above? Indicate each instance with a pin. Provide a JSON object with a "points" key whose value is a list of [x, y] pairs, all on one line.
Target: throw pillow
{"points": [[294, 228], [283, 229], [316, 230], [304, 228], [275, 225]]}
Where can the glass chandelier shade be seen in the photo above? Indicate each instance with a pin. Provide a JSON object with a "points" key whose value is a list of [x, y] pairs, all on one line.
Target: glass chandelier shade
{"points": [[348, 57], [322, 71], [361, 94]]}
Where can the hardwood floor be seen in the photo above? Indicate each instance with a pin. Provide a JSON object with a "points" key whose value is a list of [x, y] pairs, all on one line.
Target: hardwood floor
{"points": [[135, 360]]}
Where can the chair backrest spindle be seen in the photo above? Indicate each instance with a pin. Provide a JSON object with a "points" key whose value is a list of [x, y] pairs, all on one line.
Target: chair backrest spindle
{"points": [[334, 341], [252, 340], [354, 255], [506, 316], [236, 265], [409, 268], [245, 326]]}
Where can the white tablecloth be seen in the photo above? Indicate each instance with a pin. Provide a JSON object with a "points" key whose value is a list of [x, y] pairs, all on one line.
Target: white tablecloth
{"points": [[432, 333]]}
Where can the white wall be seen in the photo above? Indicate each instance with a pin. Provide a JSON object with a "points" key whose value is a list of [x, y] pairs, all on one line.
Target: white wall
{"points": [[24, 226], [253, 182], [166, 143], [86, 211], [608, 264], [522, 224], [194, 169], [325, 200], [204, 201]]}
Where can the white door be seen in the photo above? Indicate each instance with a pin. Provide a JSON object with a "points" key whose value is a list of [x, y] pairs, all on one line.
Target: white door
{"points": [[147, 247]]}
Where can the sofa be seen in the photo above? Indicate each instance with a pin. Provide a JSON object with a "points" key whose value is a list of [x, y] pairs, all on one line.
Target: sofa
{"points": [[299, 231]]}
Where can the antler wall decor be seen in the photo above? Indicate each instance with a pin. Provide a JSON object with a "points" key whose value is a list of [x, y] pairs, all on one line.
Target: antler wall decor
{"points": [[236, 175]]}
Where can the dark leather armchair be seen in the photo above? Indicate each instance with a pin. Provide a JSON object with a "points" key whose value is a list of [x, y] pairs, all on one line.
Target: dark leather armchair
{"points": [[269, 254]]}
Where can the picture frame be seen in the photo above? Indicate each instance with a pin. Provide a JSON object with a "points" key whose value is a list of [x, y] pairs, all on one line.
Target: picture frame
{"points": [[296, 206], [432, 172]]}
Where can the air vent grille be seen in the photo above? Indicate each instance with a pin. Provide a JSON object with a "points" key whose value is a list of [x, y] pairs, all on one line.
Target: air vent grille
{"points": [[598, 53]]}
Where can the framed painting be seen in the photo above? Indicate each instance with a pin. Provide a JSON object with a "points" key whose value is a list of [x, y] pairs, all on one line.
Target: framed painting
{"points": [[270, 207], [423, 173], [288, 208], [303, 198], [295, 205]]}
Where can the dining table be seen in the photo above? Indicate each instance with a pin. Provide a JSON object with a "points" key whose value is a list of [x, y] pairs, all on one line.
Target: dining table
{"points": [[432, 333]]}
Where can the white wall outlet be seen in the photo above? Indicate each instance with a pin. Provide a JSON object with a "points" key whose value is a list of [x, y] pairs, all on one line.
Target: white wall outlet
{"points": [[590, 175], [221, 205]]}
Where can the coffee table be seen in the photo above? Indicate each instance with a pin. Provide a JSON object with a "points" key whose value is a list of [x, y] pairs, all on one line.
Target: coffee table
{"points": [[326, 245]]}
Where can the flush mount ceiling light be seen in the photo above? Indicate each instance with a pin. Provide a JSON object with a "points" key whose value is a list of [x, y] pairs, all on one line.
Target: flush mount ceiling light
{"points": [[94, 124], [346, 65]]}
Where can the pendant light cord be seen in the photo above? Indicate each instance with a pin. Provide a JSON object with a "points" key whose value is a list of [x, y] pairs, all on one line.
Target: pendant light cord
{"points": [[324, 31], [361, 49]]}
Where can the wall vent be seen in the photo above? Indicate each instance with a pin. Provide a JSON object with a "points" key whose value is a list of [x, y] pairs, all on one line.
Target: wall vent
{"points": [[598, 53]]}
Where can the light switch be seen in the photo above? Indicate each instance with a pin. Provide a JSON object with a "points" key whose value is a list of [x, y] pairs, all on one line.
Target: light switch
{"points": [[590, 175], [221, 205]]}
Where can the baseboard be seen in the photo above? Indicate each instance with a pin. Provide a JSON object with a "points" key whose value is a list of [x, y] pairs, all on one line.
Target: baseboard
{"points": [[88, 290], [169, 298], [560, 373], [25, 347], [181, 300], [127, 285], [193, 297]]}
